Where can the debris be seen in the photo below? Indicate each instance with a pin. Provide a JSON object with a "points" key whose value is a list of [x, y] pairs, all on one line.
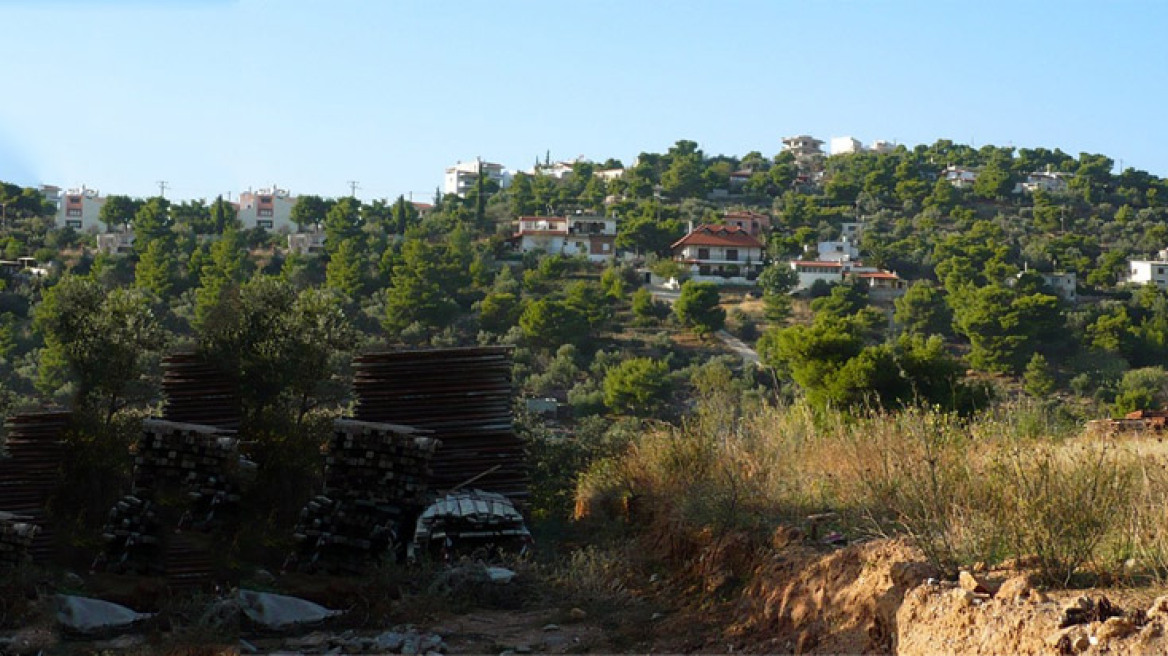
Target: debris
{"points": [[577, 614], [280, 611], [468, 520], [835, 539], [85, 615]]}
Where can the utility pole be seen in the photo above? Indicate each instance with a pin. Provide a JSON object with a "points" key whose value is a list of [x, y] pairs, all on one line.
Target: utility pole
{"points": [[162, 185], [353, 188]]}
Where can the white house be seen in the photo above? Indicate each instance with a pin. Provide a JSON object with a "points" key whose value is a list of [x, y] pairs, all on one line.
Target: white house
{"points": [[882, 285], [752, 222], [1063, 283], [117, 242], [1050, 182], [269, 208], [808, 150], [845, 146], [591, 236], [306, 243], [720, 254], [608, 174], [1149, 272], [828, 271], [852, 230], [959, 176], [461, 177], [79, 209], [835, 251]]}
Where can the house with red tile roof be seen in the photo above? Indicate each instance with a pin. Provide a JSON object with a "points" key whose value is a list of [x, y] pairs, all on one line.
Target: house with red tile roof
{"points": [[726, 255]]}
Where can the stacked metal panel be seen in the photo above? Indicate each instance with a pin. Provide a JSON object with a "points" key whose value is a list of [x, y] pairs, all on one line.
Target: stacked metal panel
{"points": [[30, 473], [198, 392], [193, 461], [464, 395], [375, 478]]}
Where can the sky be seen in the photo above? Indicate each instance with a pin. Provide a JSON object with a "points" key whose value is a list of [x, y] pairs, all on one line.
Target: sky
{"points": [[218, 96]]}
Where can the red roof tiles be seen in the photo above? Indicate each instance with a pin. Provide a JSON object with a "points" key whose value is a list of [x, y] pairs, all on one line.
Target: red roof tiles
{"points": [[718, 235]]}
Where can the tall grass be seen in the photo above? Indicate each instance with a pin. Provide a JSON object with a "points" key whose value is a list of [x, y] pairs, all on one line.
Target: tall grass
{"points": [[1008, 483]]}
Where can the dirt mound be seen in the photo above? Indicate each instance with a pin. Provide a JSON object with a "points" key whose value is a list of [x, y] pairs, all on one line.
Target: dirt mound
{"points": [[843, 602], [940, 619]]}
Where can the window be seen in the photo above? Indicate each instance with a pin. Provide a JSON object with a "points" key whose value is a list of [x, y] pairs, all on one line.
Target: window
{"points": [[703, 253], [704, 270], [732, 254], [73, 211], [76, 225], [264, 212], [266, 225]]}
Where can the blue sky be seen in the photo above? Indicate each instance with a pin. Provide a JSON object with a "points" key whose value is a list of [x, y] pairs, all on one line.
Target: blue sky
{"points": [[216, 96]]}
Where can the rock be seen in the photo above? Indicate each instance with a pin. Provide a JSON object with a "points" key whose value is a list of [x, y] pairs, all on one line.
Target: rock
{"points": [[432, 642], [389, 641], [1151, 631], [72, 580], [523, 649], [1039, 597], [962, 596], [1115, 628], [247, 648], [1070, 640], [314, 640], [264, 577], [551, 627], [785, 536], [1016, 587], [86, 615], [29, 641], [1159, 607], [656, 616], [128, 641], [578, 614], [500, 575], [280, 611], [970, 582], [412, 645]]}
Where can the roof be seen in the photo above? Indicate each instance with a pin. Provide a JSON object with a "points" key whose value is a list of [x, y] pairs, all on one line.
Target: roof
{"points": [[883, 275], [802, 263], [718, 235]]}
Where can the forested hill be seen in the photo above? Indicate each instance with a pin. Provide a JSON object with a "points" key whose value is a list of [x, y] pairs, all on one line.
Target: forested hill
{"points": [[964, 222]]}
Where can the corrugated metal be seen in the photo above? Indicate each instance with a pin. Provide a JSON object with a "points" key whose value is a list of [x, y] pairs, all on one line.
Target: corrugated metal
{"points": [[464, 395]]}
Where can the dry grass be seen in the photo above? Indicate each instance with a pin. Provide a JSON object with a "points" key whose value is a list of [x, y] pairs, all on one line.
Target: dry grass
{"points": [[1006, 484]]}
